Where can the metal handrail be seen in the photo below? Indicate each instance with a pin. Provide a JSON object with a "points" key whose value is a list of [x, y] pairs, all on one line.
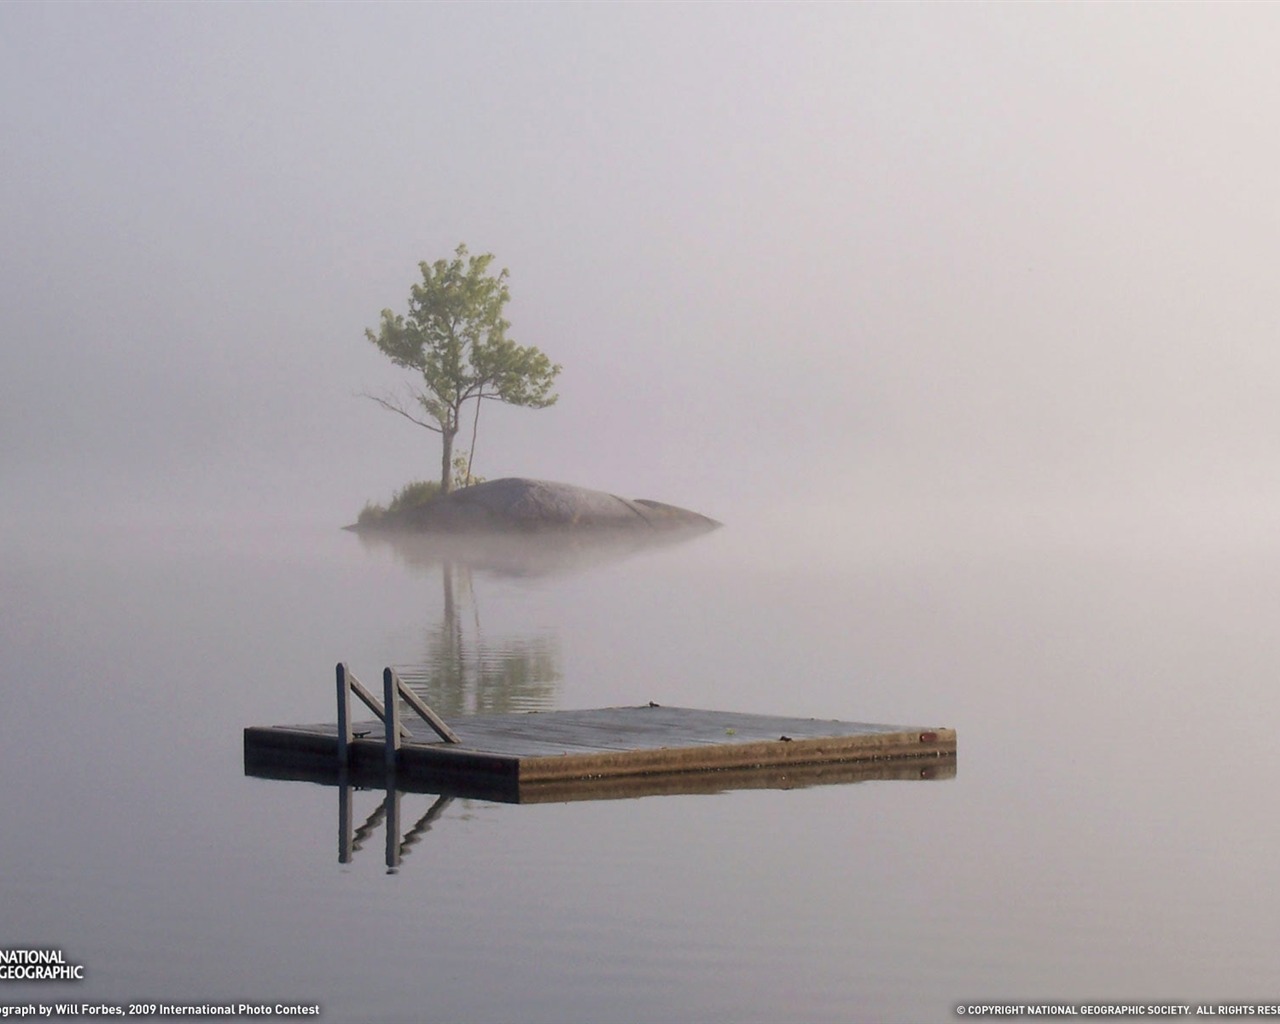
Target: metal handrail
{"points": [[347, 685], [419, 705], [388, 712], [392, 691]]}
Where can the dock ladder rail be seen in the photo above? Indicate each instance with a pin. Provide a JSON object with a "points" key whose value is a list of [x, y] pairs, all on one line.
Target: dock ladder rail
{"points": [[388, 712]]}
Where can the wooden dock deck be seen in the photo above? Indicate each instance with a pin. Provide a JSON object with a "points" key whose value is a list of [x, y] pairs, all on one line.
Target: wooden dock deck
{"points": [[619, 751]]}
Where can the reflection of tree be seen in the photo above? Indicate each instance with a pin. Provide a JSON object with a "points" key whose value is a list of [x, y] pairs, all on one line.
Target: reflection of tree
{"points": [[465, 673]]}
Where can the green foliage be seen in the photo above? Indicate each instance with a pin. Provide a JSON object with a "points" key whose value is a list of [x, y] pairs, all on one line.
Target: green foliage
{"points": [[419, 492], [454, 338], [462, 475], [411, 495]]}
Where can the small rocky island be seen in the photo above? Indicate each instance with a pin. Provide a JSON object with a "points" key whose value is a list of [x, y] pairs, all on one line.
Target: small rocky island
{"points": [[522, 505]]}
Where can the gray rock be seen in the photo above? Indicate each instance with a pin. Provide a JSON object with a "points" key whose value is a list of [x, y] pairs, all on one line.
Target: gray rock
{"points": [[521, 504]]}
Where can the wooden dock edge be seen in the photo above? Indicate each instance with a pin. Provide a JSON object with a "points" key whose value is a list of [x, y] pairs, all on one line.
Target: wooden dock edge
{"points": [[914, 744], [620, 787], [305, 748]]}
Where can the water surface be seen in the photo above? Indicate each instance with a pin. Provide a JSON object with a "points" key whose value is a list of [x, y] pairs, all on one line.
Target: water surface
{"points": [[1107, 834]]}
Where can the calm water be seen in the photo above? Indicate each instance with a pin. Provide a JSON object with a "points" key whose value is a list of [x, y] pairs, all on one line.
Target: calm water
{"points": [[1109, 834]]}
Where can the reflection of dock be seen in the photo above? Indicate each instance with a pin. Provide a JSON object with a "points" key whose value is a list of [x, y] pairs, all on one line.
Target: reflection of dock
{"points": [[388, 812], [567, 754]]}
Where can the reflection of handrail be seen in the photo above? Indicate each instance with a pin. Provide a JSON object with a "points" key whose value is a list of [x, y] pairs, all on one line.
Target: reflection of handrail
{"points": [[415, 834], [349, 842], [366, 830]]}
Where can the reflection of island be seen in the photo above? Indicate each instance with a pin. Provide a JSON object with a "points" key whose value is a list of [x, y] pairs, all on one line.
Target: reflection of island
{"points": [[521, 554]]}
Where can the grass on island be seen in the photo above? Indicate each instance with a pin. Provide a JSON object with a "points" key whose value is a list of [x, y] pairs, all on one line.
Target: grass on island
{"points": [[411, 495]]}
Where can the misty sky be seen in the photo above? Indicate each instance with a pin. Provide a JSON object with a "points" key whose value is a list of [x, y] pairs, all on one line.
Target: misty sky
{"points": [[1013, 254]]}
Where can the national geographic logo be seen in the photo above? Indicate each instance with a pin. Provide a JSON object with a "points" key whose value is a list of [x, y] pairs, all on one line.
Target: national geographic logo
{"points": [[37, 965]]}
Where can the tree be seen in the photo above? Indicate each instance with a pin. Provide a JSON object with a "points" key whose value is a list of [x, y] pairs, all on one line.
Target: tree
{"points": [[455, 337]]}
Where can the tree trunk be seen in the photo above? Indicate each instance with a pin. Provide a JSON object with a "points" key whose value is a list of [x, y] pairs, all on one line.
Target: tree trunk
{"points": [[475, 425], [446, 457]]}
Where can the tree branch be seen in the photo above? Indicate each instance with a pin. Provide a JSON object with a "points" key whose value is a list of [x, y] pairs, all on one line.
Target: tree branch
{"points": [[396, 407]]}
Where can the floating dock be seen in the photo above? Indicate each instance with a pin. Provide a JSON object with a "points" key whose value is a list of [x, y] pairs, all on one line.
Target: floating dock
{"points": [[622, 750]]}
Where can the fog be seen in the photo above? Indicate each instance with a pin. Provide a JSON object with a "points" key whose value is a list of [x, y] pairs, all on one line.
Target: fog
{"points": [[997, 268]]}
